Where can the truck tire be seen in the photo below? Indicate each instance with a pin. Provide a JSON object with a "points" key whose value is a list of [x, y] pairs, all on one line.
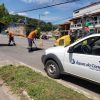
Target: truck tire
{"points": [[52, 69]]}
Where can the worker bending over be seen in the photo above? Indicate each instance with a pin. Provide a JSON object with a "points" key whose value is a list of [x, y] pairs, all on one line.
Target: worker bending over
{"points": [[11, 37], [31, 37]]}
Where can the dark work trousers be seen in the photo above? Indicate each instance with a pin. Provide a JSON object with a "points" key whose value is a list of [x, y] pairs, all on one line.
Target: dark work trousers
{"points": [[30, 41], [11, 39]]}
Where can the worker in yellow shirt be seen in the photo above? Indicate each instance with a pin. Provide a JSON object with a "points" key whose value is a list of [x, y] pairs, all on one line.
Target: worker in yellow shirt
{"points": [[31, 37]]}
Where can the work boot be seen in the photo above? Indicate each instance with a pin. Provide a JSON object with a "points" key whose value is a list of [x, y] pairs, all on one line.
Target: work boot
{"points": [[30, 50], [14, 44], [8, 44]]}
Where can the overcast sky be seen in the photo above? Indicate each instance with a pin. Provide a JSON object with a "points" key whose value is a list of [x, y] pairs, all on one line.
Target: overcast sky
{"points": [[56, 15]]}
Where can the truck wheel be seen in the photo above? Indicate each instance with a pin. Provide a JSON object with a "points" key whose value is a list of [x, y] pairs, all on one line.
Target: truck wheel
{"points": [[52, 69]]}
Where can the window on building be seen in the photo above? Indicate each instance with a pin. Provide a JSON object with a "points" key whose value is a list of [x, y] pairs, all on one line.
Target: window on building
{"points": [[77, 11]]}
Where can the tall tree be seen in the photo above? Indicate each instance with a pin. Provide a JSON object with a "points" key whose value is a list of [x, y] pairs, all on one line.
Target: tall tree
{"points": [[4, 14]]}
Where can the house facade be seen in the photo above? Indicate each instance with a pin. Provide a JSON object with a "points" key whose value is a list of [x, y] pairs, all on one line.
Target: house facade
{"points": [[20, 28], [64, 28], [17, 28], [89, 14]]}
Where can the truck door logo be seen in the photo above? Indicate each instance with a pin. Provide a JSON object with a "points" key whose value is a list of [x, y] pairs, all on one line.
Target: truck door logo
{"points": [[72, 61]]}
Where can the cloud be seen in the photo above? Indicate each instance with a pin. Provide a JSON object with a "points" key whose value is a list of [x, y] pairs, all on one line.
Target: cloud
{"points": [[11, 12], [36, 1], [42, 1], [23, 14], [46, 12], [28, 1], [51, 19]]}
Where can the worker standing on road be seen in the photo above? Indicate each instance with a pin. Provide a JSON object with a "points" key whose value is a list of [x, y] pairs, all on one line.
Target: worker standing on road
{"points": [[11, 38], [31, 37]]}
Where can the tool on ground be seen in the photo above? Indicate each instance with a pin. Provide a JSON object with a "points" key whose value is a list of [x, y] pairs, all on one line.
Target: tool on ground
{"points": [[34, 43]]}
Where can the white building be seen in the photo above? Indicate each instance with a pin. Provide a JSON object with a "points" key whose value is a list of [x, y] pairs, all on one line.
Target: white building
{"points": [[90, 9], [90, 13]]}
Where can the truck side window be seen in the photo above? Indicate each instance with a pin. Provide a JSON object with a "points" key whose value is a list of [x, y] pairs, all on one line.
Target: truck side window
{"points": [[89, 46], [96, 48]]}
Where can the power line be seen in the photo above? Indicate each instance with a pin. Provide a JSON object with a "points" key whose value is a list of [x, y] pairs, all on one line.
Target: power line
{"points": [[66, 18], [68, 1]]}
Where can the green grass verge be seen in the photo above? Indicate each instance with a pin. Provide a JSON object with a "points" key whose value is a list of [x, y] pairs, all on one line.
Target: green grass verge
{"points": [[21, 78]]}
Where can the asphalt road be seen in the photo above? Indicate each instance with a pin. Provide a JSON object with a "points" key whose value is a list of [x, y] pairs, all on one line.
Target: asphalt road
{"points": [[20, 53]]}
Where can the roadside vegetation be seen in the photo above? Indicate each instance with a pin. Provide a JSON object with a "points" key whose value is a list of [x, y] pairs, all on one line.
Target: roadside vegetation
{"points": [[7, 19], [20, 78]]}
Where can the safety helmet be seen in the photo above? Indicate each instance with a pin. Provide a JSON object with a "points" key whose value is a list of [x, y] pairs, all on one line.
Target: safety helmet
{"points": [[36, 31]]}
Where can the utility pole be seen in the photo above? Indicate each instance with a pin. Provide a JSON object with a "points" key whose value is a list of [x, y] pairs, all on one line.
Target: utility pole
{"points": [[39, 21]]}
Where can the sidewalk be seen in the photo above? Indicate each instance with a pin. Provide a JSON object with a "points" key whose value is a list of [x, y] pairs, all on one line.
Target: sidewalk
{"points": [[5, 93]]}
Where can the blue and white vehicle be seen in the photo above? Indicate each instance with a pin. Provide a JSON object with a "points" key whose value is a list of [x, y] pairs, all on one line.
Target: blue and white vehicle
{"points": [[82, 59]]}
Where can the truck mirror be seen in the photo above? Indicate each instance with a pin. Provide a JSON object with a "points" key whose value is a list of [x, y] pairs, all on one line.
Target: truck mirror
{"points": [[70, 50]]}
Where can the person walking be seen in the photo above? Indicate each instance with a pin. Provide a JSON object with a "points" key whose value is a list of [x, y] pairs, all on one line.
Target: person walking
{"points": [[11, 38], [31, 37]]}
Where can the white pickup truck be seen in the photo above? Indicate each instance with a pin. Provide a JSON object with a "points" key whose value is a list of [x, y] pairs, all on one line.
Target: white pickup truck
{"points": [[82, 59]]}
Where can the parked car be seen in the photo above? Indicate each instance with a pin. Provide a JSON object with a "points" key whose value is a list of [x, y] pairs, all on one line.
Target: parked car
{"points": [[45, 37], [81, 58]]}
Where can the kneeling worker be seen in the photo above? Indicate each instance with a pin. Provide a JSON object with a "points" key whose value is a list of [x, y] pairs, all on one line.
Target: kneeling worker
{"points": [[31, 37], [11, 37]]}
